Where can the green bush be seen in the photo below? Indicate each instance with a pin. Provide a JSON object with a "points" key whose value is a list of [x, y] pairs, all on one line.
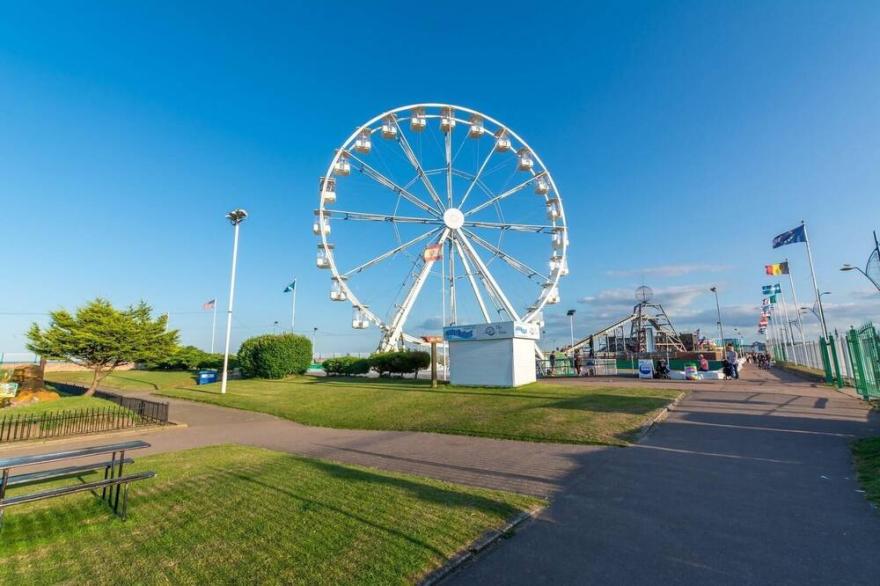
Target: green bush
{"points": [[216, 361], [275, 356], [346, 366], [183, 358], [405, 362]]}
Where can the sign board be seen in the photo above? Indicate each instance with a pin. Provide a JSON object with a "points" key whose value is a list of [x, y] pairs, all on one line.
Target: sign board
{"points": [[493, 331], [646, 368]]}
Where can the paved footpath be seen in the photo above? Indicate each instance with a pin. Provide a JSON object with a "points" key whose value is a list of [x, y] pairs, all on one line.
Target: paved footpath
{"points": [[746, 482]]}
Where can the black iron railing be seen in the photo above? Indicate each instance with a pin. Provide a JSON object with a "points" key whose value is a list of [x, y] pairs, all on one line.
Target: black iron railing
{"points": [[128, 412]]}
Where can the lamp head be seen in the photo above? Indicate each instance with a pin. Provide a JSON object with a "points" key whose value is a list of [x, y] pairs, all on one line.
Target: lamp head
{"points": [[236, 216], [570, 312]]}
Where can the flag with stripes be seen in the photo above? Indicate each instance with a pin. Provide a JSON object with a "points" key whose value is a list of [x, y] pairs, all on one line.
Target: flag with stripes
{"points": [[433, 252], [209, 305], [780, 268]]}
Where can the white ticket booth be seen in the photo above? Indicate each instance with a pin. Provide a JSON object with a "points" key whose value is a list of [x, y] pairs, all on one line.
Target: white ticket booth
{"points": [[492, 355]]}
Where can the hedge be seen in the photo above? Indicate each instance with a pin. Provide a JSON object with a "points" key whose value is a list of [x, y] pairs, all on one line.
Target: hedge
{"points": [[347, 366], [406, 362], [275, 356]]}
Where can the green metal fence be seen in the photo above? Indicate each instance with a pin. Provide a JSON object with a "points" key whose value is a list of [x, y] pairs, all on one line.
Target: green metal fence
{"points": [[864, 350]]}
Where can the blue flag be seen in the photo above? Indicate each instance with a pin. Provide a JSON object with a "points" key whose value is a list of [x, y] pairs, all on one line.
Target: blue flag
{"points": [[790, 237], [290, 287], [767, 289], [777, 288]]}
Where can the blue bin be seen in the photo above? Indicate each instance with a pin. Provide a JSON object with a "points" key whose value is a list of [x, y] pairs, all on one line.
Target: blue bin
{"points": [[207, 377]]}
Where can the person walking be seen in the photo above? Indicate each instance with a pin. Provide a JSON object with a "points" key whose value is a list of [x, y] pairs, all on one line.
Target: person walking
{"points": [[732, 359], [552, 362], [577, 363]]}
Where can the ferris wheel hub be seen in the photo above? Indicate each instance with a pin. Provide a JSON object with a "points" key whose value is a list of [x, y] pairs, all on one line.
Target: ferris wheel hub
{"points": [[453, 218]]}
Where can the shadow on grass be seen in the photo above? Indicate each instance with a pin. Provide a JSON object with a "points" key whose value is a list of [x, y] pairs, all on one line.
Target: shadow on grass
{"points": [[601, 403]]}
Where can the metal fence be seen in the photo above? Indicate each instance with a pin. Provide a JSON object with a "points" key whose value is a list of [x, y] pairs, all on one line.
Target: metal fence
{"points": [[851, 358], [53, 424], [128, 412], [863, 348], [564, 366]]}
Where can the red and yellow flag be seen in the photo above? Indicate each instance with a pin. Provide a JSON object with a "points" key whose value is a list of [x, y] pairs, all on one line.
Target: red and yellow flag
{"points": [[433, 252], [780, 268]]}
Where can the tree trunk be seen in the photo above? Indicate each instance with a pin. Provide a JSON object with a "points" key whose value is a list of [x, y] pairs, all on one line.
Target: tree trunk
{"points": [[94, 386]]}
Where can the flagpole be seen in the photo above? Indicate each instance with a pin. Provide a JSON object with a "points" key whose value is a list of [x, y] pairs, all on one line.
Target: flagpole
{"points": [[787, 321], [293, 308], [797, 310], [214, 326], [815, 284]]}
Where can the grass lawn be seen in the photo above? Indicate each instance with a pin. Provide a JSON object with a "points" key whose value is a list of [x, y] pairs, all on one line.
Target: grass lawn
{"points": [[867, 457], [62, 404], [540, 412], [235, 514], [127, 380]]}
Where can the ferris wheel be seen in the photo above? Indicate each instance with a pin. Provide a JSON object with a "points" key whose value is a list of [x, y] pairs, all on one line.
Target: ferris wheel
{"points": [[433, 215]]}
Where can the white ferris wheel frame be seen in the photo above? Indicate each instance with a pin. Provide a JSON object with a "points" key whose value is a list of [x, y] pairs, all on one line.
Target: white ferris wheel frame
{"points": [[393, 332]]}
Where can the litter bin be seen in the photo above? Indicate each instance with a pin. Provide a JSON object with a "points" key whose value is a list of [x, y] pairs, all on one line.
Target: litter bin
{"points": [[207, 377]]}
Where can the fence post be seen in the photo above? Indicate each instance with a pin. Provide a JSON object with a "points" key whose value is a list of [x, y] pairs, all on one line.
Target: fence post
{"points": [[859, 360], [836, 361], [826, 361]]}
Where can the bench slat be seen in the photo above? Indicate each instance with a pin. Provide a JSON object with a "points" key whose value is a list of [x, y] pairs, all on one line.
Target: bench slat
{"points": [[80, 453], [65, 490], [20, 479]]}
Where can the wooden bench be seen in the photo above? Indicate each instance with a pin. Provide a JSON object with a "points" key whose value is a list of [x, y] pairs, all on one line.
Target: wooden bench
{"points": [[113, 483]]}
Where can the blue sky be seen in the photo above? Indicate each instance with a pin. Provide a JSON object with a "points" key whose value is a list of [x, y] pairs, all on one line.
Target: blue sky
{"points": [[682, 136]]}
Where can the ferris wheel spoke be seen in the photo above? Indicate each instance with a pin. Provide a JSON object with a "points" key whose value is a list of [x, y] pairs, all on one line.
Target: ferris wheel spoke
{"points": [[453, 308], [365, 216], [470, 277], [414, 161], [505, 194], [381, 179], [476, 178], [488, 279], [395, 328], [390, 253], [448, 144], [511, 260], [536, 228]]}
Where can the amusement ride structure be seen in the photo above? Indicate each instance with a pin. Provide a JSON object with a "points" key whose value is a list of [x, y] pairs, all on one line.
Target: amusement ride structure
{"points": [[463, 203], [650, 332]]}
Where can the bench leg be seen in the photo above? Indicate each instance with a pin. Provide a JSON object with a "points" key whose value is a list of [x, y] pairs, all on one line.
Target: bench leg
{"points": [[108, 473], [119, 475], [3, 484], [125, 502]]}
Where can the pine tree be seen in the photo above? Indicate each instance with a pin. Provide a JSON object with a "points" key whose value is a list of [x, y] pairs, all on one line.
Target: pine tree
{"points": [[101, 338]]}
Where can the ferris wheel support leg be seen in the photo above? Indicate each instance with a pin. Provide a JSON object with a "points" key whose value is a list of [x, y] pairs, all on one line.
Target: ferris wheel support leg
{"points": [[395, 330], [473, 282], [490, 281]]}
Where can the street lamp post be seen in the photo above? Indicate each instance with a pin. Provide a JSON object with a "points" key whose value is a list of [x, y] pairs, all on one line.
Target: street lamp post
{"points": [[315, 343], [235, 217], [848, 267], [718, 309], [570, 314]]}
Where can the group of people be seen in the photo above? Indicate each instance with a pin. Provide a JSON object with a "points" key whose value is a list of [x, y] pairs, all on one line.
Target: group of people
{"points": [[559, 360], [730, 364]]}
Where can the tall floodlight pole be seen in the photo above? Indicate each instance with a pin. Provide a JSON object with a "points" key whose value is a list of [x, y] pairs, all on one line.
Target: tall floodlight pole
{"points": [[570, 314], [235, 217], [718, 309], [214, 326]]}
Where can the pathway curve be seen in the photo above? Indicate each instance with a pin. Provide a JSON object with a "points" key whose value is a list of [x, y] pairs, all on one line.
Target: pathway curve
{"points": [[746, 482]]}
